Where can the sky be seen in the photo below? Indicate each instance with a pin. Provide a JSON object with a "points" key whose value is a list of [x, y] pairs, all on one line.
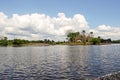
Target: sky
{"points": [[51, 19]]}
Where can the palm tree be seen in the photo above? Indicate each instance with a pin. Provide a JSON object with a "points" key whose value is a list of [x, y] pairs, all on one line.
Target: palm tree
{"points": [[84, 37], [83, 32], [91, 34], [99, 37], [89, 37], [5, 38], [77, 36]]}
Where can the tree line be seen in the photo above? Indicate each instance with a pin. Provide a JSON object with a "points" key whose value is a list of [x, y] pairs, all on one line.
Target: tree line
{"points": [[20, 42], [72, 37]]}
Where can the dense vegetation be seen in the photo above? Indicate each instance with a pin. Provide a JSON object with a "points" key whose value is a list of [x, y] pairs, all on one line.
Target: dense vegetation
{"points": [[82, 38], [3, 42], [95, 41], [20, 42], [116, 41], [88, 38]]}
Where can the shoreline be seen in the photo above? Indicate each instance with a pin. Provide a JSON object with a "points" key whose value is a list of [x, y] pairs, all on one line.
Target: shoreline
{"points": [[111, 76], [35, 44], [47, 44]]}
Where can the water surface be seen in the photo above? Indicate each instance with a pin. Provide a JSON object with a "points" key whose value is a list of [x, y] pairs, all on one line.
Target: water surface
{"points": [[58, 62]]}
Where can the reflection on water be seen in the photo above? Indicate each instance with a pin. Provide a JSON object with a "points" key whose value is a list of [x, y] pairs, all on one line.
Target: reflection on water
{"points": [[58, 62]]}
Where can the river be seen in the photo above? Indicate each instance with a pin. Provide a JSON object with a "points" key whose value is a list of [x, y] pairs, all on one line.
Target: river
{"points": [[58, 62]]}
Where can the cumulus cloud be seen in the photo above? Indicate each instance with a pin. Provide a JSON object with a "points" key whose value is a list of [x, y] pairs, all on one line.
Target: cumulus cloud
{"points": [[40, 26], [108, 32]]}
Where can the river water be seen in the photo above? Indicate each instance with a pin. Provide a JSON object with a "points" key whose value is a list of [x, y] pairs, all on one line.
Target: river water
{"points": [[59, 62]]}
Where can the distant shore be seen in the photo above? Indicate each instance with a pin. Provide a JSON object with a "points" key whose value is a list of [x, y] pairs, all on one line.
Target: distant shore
{"points": [[36, 44], [46, 44]]}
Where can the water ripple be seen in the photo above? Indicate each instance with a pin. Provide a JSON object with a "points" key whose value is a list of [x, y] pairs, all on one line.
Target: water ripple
{"points": [[58, 62]]}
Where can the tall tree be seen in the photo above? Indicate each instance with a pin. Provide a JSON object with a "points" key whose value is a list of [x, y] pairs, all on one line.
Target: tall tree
{"points": [[91, 34], [84, 37], [5, 38], [72, 37], [83, 32]]}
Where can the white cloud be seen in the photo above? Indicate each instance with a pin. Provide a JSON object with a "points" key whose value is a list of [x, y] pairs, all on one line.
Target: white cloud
{"points": [[41, 26], [108, 32], [104, 28]]}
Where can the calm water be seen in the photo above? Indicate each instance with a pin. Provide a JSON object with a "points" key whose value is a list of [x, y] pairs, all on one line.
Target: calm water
{"points": [[58, 62]]}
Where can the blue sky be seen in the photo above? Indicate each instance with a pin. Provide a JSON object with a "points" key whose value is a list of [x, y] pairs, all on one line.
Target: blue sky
{"points": [[51, 19], [96, 11]]}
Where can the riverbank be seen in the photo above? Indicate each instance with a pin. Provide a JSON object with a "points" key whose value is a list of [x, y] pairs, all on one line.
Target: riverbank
{"points": [[20, 42], [36, 44], [30, 44], [46, 44], [112, 76]]}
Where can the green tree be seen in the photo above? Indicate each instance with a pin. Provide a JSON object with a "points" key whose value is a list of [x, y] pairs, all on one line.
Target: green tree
{"points": [[3, 42], [5, 38], [95, 41], [72, 37], [18, 42]]}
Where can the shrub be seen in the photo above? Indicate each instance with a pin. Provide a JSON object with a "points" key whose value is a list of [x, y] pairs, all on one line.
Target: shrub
{"points": [[3, 42], [95, 41]]}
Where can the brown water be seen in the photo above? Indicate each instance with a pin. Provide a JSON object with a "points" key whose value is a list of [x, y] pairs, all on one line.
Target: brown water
{"points": [[58, 62]]}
